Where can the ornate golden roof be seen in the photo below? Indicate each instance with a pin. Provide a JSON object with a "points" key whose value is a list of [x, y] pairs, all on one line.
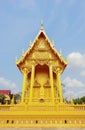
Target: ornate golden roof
{"points": [[54, 51]]}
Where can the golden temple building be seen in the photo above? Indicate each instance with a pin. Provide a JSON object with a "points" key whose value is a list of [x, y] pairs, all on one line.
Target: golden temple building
{"points": [[41, 67], [42, 103]]}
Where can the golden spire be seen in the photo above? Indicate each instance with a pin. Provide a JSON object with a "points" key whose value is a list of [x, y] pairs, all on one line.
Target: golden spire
{"points": [[60, 52], [16, 59], [31, 43], [53, 43], [71, 100], [42, 26]]}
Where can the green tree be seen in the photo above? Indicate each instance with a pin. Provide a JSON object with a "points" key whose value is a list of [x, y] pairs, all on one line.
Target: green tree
{"points": [[80, 100], [17, 98], [2, 99], [83, 99]]}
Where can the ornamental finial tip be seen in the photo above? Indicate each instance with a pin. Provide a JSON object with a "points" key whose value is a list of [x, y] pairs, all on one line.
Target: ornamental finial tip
{"points": [[71, 100], [31, 43], [53, 43], [22, 52], [42, 25], [16, 59], [60, 52]]}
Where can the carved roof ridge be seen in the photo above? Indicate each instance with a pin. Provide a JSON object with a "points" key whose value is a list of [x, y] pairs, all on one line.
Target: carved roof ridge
{"points": [[28, 50]]}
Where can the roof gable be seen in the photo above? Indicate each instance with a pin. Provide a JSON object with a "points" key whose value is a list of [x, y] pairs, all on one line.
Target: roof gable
{"points": [[41, 43]]}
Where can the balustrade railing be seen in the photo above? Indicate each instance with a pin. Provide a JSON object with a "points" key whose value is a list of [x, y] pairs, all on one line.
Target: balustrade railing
{"points": [[43, 107]]}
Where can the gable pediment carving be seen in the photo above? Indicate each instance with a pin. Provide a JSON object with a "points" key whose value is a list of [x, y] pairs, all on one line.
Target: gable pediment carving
{"points": [[41, 45]]}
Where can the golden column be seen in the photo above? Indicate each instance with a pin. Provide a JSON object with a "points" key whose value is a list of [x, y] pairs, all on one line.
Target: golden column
{"points": [[32, 83], [51, 82], [24, 84], [59, 85]]}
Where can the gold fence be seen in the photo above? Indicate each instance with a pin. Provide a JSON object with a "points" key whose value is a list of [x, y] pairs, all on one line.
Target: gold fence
{"points": [[58, 107]]}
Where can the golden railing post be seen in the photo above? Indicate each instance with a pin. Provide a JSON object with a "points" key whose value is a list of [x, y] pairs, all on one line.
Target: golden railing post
{"points": [[24, 85], [59, 85], [51, 82], [32, 83]]}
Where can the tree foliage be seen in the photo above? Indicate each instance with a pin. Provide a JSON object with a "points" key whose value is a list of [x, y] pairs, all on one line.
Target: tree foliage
{"points": [[2, 99], [12, 98], [79, 100], [17, 98]]}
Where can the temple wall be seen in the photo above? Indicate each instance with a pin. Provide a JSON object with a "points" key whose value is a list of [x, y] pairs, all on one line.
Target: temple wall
{"points": [[42, 128]]}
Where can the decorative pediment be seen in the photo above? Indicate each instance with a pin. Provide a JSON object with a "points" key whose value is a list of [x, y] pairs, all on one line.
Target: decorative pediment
{"points": [[41, 45]]}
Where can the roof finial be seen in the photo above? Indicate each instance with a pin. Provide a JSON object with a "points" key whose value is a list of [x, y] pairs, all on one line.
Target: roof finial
{"points": [[30, 43], [22, 52], [71, 100], [42, 26], [16, 59], [53, 43], [60, 52]]}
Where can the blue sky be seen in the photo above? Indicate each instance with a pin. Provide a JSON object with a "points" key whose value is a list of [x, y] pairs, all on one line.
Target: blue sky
{"points": [[64, 22]]}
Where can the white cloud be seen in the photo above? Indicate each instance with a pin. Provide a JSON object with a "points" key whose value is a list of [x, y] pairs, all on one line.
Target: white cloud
{"points": [[73, 94], [69, 94], [73, 86], [81, 93], [76, 60], [7, 84], [82, 73], [72, 82]]}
